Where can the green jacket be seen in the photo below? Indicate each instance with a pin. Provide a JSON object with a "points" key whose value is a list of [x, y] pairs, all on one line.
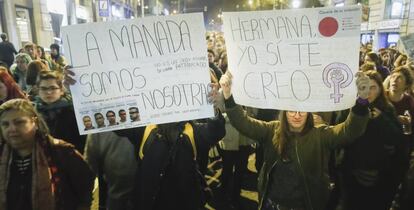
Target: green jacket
{"points": [[312, 150]]}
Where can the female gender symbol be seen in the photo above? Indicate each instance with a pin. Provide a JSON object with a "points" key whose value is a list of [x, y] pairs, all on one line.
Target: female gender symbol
{"points": [[334, 73]]}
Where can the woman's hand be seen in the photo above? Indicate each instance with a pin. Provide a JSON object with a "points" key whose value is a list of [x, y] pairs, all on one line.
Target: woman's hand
{"points": [[225, 83], [362, 82], [215, 96], [374, 113], [68, 76]]}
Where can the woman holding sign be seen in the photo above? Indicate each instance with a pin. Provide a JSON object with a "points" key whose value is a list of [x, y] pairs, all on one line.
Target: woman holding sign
{"points": [[294, 173]]}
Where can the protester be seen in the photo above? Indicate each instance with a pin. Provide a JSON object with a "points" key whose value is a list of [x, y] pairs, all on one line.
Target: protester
{"points": [[7, 50], [166, 173], [38, 171], [19, 70], [8, 87], [370, 169], [295, 143], [30, 49], [33, 70], [234, 150], [56, 108], [58, 62], [400, 83], [373, 57]]}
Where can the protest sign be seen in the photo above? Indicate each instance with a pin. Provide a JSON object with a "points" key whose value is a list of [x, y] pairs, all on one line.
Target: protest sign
{"points": [[137, 72], [406, 45], [299, 59]]}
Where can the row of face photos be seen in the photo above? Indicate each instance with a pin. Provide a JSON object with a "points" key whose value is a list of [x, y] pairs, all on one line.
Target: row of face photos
{"points": [[109, 118]]}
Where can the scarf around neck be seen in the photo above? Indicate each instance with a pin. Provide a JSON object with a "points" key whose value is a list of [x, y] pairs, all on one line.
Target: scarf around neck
{"points": [[43, 196]]}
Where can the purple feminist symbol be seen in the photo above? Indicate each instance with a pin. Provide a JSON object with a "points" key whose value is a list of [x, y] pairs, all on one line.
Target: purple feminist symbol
{"points": [[338, 75]]}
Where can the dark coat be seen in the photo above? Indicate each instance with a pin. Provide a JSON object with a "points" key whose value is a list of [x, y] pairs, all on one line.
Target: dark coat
{"points": [[312, 149], [61, 120], [77, 179], [7, 52], [167, 174]]}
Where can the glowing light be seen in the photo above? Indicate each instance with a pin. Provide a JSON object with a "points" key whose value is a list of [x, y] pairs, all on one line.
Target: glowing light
{"points": [[296, 4]]}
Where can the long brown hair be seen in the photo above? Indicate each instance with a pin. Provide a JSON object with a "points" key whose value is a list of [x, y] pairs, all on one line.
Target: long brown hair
{"points": [[381, 102], [283, 132]]}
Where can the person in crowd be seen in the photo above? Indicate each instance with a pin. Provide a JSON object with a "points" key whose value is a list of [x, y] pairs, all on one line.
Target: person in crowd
{"points": [[386, 59], [122, 116], [367, 67], [234, 150], [134, 114], [30, 49], [401, 81], [7, 50], [55, 105], [57, 62], [166, 171], [401, 60], [374, 58], [293, 175], [168, 175], [38, 171], [8, 87], [87, 122], [370, 164], [110, 116], [41, 52], [33, 70], [223, 62], [42, 55], [19, 70], [212, 65]]}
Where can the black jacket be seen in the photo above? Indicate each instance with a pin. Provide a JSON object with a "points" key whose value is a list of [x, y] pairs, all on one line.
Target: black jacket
{"points": [[167, 174], [7, 52], [61, 120]]}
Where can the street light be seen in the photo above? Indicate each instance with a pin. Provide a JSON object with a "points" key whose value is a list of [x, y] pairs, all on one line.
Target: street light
{"points": [[295, 3], [250, 2]]}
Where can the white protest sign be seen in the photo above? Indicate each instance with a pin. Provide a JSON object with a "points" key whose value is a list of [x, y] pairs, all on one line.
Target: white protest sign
{"points": [[299, 59], [137, 72]]}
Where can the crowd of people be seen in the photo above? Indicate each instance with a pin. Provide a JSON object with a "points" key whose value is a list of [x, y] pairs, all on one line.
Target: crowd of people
{"points": [[354, 159]]}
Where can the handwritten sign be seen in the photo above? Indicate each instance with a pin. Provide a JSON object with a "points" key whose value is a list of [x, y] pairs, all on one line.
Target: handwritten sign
{"points": [[138, 72], [301, 59]]}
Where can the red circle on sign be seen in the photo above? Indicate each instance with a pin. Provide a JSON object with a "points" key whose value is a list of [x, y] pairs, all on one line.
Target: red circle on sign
{"points": [[328, 26]]}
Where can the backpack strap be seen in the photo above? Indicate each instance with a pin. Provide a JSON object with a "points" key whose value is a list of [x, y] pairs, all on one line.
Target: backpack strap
{"points": [[147, 132], [188, 130]]}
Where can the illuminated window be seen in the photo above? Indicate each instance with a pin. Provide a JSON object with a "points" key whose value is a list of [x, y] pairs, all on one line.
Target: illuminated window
{"points": [[394, 9]]}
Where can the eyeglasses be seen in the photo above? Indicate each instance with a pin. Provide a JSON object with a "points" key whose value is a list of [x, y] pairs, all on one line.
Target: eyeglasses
{"points": [[293, 113], [51, 88]]}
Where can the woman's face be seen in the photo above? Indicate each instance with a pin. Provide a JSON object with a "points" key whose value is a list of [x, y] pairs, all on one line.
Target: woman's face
{"points": [[21, 64], [386, 57], [50, 91], [18, 129], [3, 91], [397, 82], [374, 91], [296, 120]]}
